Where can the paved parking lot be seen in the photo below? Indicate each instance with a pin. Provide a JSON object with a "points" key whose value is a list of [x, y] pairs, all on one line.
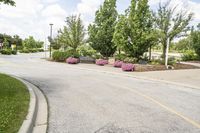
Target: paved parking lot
{"points": [[87, 101]]}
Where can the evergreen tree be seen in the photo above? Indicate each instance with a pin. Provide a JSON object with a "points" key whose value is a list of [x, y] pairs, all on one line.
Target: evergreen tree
{"points": [[101, 32]]}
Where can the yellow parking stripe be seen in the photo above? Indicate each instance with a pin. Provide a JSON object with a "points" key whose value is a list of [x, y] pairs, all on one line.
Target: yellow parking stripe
{"points": [[192, 122]]}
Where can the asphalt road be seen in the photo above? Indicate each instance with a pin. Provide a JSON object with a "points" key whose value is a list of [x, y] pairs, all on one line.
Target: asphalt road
{"points": [[83, 101]]}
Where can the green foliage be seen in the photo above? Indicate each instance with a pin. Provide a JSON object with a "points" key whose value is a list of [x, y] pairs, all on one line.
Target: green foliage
{"points": [[61, 56], [6, 51], [139, 30], [14, 103], [14, 52], [72, 35], [195, 37], [120, 57], [130, 60], [31, 43], [120, 38], [189, 56], [8, 2], [184, 45], [101, 32], [6, 43], [86, 50], [171, 23], [34, 50]]}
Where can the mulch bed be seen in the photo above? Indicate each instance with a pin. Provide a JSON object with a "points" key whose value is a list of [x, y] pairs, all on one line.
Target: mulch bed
{"points": [[178, 66]]}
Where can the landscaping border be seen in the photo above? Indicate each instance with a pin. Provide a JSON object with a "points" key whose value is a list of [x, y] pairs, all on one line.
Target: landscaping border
{"points": [[37, 118]]}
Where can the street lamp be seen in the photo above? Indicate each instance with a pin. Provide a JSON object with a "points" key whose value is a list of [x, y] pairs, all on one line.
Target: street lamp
{"points": [[51, 27]]}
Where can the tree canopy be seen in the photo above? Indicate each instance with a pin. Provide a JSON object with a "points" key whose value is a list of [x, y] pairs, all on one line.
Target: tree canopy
{"points": [[8, 2], [102, 30], [171, 23], [72, 35]]}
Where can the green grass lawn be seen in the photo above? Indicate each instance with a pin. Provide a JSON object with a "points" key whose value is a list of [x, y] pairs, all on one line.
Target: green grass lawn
{"points": [[14, 103]]}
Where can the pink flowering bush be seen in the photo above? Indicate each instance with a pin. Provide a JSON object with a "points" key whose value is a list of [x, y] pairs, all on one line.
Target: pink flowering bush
{"points": [[71, 60], [101, 62], [118, 64], [128, 67]]}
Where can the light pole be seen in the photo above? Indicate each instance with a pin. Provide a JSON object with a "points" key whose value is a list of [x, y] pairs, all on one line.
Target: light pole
{"points": [[51, 28]]}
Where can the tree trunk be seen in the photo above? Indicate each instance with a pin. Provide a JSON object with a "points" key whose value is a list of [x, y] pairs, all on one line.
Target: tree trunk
{"points": [[150, 53], [164, 50]]}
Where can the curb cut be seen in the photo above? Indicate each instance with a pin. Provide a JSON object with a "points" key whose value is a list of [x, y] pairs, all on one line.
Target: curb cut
{"points": [[36, 120]]}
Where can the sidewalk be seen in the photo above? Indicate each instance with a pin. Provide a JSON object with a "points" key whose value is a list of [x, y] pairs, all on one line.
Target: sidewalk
{"points": [[189, 77]]}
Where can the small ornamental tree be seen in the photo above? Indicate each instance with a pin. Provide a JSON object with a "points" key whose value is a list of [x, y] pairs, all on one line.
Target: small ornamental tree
{"points": [[101, 32], [171, 24], [72, 35]]}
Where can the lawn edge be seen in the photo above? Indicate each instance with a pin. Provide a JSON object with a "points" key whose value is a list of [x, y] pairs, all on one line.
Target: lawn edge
{"points": [[37, 117]]}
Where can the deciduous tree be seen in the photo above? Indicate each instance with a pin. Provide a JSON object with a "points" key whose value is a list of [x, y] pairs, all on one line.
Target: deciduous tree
{"points": [[101, 32]]}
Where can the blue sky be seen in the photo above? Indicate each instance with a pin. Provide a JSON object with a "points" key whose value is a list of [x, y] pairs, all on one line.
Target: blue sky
{"points": [[32, 17]]}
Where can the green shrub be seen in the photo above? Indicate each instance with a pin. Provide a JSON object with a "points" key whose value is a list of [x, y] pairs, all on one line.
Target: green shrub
{"points": [[24, 51], [120, 57], [40, 50], [6, 51], [14, 52], [60, 56], [189, 56], [86, 50], [130, 60]]}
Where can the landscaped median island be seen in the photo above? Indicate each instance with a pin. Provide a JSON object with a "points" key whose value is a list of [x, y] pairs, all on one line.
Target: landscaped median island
{"points": [[14, 103], [129, 41]]}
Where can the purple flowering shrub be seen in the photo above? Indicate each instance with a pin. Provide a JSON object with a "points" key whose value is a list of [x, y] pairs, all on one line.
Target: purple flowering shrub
{"points": [[101, 62], [128, 67], [118, 64], [71, 60]]}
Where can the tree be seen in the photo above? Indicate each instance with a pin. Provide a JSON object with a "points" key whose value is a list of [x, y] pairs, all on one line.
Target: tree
{"points": [[184, 44], [120, 37], [72, 35], [8, 2], [170, 25], [29, 42], [195, 37], [6, 44], [139, 28], [101, 32]]}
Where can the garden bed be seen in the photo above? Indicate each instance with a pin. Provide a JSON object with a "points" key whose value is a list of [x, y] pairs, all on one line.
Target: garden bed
{"points": [[14, 103], [178, 66]]}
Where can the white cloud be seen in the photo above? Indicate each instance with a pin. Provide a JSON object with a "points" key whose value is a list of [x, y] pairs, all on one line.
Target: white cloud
{"points": [[32, 17], [54, 10]]}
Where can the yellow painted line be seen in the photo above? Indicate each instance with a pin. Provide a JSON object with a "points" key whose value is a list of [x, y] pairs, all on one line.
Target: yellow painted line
{"points": [[189, 120]]}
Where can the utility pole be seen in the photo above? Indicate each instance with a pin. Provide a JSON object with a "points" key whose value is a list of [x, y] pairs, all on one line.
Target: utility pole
{"points": [[51, 28]]}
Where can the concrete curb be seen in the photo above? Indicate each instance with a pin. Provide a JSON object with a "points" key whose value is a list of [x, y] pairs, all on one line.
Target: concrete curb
{"points": [[139, 77], [36, 120]]}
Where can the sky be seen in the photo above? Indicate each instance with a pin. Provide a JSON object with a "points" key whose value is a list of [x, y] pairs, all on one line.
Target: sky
{"points": [[32, 17]]}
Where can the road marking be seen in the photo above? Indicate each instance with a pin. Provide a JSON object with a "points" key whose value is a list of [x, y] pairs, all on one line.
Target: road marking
{"points": [[189, 120]]}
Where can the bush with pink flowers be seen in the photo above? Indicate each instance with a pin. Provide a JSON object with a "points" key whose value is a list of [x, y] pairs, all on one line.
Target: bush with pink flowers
{"points": [[118, 64], [128, 67], [101, 62], [71, 60]]}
